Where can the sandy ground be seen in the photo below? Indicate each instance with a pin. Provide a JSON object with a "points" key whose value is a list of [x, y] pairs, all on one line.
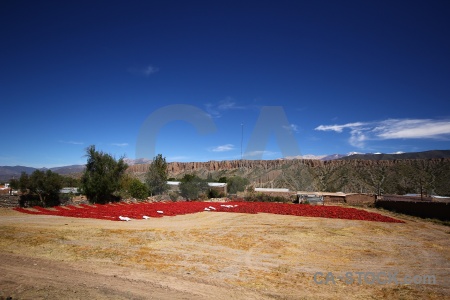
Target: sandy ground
{"points": [[213, 255]]}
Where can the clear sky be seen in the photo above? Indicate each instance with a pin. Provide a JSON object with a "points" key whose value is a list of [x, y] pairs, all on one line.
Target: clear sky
{"points": [[363, 76]]}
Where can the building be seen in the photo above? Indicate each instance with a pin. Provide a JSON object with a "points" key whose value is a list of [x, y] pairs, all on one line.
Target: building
{"points": [[326, 198], [69, 190], [309, 197]]}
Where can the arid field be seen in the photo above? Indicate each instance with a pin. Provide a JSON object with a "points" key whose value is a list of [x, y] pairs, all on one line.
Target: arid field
{"points": [[220, 256]]}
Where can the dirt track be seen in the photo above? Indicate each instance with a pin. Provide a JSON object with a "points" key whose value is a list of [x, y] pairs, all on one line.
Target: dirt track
{"points": [[216, 256]]}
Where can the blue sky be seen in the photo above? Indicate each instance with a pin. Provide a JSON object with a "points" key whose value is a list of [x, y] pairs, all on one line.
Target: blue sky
{"points": [[362, 76]]}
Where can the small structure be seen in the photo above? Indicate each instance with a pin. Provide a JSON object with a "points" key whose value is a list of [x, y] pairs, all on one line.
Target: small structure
{"points": [[311, 198], [69, 190], [174, 185], [220, 187], [334, 198], [271, 190], [326, 198], [5, 189]]}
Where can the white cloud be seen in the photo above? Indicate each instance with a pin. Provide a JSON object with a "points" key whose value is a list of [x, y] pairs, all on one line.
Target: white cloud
{"points": [[291, 127], [413, 128], [360, 132], [339, 128], [149, 70], [357, 138], [216, 110], [71, 142], [120, 144], [223, 148]]}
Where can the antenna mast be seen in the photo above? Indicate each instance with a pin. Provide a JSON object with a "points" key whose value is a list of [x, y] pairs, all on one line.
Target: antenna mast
{"points": [[242, 136]]}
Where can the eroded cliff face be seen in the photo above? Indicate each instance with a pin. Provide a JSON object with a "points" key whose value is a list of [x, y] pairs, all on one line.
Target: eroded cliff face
{"points": [[176, 168], [333, 175]]}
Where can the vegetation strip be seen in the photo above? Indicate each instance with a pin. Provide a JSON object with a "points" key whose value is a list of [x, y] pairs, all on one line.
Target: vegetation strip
{"points": [[139, 210]]}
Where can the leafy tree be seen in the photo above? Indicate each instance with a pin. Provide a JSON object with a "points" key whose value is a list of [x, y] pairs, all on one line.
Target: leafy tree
{"points": [[191, 186], [102, 176], [70, 181], [13, 185], [223, 179], [236, 184], [45, 185], [23, 182], [156, 177], [133, 187]]}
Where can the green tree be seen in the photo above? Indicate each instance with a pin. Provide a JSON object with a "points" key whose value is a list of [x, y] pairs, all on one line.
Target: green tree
{"points": [[133, 187], [70, 181], [236, 184], [138, 189], [23, 182], [102, 176], [45, 185], [191, 186], [223, 179], [156, 177], [13, 185]]}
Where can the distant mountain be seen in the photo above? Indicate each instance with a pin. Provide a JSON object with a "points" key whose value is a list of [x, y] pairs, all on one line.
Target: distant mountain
{"points": [[409, 155], [333, 156], [16, 170], [9, 172], [319, 157], [68, 169]]}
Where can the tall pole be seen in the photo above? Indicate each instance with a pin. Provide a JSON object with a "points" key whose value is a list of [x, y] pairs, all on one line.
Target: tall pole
{"points": [[242, 136]]}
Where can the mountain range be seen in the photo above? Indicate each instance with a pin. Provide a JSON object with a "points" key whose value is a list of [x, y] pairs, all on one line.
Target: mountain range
{"points": [[9, 172]]}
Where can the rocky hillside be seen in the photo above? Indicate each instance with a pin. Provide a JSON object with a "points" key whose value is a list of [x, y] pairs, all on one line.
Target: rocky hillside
{"points": [[370, 176]]}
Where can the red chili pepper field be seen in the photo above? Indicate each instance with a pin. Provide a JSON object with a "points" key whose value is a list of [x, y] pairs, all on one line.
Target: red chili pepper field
{"points": [[144, 210]]}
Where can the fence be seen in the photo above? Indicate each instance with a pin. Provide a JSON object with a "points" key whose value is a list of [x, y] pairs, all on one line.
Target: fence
{"points": [[423, 209]]}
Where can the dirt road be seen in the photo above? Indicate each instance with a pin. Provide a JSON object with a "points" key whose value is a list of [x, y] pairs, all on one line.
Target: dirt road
{"points": [[218, 256]]}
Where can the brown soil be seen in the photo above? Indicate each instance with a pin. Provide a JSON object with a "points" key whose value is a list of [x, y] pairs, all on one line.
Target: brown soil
{"points": [[217, 256]]}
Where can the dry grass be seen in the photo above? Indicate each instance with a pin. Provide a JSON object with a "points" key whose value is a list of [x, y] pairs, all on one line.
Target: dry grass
{"points": [[276, 256]]}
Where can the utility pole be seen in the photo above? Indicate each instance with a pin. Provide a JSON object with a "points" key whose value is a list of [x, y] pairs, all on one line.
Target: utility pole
{"points": [[242, 137]]}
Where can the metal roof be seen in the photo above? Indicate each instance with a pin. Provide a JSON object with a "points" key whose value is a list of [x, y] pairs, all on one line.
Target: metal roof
{"points": [[212, 184], [271, 190]]}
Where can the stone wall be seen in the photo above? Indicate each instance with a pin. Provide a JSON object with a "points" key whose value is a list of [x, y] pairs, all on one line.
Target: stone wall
{"points": [[360, 199], [333, 200], [9, 201]]}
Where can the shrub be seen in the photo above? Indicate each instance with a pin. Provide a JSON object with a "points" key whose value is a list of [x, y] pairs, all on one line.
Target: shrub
{"points": [[173, 196]]}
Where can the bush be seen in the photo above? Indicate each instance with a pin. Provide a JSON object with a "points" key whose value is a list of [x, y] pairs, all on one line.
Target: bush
{"points": [[261, 197], [173, 196], [191, 187], [215, 194], [138, 189], [236, 184]]}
